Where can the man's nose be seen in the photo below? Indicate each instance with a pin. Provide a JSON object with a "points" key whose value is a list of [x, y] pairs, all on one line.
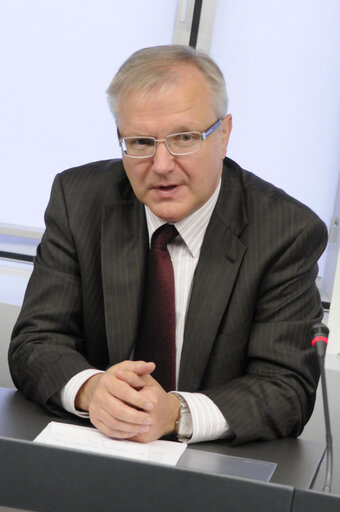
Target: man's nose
{"points": [[162, 160]]}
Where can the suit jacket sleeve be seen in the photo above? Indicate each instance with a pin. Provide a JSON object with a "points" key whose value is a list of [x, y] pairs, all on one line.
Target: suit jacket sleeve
{"points": [[60, 330]]}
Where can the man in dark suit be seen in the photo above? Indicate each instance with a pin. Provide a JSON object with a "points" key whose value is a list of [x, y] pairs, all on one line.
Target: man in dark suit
{"points": [[245, 263]]}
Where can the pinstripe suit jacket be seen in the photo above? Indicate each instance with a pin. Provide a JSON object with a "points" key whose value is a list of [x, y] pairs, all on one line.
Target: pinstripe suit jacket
{"points": [[247, 335]]}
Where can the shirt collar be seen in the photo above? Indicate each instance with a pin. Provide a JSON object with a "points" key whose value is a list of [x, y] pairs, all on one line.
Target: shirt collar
{"points": [[192, 229]]}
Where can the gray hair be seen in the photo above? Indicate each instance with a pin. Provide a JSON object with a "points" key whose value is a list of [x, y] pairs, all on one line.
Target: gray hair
{"points": [[155, 67]]}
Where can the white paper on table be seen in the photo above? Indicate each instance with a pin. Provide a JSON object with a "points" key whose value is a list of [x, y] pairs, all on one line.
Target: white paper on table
{"points": [[90, 439]]}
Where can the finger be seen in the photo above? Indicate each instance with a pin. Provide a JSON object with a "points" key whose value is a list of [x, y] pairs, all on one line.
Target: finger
{"points": [[115, 433], [134, 380], [139, 367], [121, 421], [117, 388], [144, 368], [130, 396], [144, 437], [110, 410]]}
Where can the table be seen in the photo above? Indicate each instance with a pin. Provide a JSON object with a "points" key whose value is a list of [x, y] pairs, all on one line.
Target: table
{"points": [[51, 479], [23, 419]]}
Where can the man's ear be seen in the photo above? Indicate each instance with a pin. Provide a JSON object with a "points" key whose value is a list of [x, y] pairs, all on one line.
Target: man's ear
{"points": [[227, 124]]}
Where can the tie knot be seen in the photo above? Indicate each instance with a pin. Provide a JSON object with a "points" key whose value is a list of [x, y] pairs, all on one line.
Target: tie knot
{"points": [[162, 236]]}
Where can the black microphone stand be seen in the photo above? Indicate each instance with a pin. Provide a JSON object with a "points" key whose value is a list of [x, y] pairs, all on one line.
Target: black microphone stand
{"points": [[319, 341]]}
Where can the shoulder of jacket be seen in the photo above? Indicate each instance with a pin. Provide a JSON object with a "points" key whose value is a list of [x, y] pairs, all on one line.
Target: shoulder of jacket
{"points": [[261, 194]]}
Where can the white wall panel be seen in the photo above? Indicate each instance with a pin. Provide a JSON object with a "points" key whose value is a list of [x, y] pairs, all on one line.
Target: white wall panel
{"points": [[56, 61]]}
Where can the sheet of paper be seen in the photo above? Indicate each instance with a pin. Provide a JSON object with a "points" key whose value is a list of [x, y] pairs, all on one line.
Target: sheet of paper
{"points": [[91, 440]]}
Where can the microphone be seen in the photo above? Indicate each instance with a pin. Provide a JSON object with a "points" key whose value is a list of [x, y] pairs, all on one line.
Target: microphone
{"points": [[319, 341]]}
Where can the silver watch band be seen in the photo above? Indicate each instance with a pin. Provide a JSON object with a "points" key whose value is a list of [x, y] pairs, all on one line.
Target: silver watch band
{"points": [[184, 423]]}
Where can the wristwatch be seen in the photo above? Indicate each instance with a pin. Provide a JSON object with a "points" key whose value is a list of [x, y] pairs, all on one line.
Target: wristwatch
{"points": [[184, 422]]}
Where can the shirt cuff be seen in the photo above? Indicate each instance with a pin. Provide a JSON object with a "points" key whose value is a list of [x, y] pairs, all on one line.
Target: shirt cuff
{"points": [[208, 422], [69, 392]]}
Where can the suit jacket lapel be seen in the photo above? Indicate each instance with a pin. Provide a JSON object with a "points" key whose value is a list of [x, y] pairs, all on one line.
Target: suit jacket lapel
{"points": [[124, 251], [220, 258]]}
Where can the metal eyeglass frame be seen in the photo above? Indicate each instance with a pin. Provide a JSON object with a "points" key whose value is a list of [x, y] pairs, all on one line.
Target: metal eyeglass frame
{"points": [[203, 136]]}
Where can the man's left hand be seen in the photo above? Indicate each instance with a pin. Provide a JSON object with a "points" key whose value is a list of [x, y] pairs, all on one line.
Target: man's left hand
{"points": [[164, 413]]}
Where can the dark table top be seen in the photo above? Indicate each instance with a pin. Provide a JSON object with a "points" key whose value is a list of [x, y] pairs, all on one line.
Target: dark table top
{"points": [[296, 459]]}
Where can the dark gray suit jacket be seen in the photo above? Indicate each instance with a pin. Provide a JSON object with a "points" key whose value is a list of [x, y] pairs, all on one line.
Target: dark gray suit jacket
{"points": [[247, 335]]}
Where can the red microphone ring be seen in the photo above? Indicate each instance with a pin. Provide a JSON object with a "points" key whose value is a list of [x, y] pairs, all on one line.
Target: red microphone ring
{"points": [[319, 338]]}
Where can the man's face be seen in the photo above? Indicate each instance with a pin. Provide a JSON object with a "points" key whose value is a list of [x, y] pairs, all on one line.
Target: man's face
{"points": [[173, 187]]}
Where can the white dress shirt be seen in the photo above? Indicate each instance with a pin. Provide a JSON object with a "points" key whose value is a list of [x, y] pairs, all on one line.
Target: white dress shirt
{"points": [[208, 422]]}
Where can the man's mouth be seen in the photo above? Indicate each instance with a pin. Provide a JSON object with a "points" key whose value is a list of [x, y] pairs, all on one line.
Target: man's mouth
{"points": [[167, 187]]}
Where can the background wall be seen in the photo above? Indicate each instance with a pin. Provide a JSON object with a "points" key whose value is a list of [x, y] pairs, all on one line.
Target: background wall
{"points": [[56, 60]]}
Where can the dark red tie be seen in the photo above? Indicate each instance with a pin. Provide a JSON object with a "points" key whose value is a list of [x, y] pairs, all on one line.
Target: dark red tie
{"points": [[157, 329]]}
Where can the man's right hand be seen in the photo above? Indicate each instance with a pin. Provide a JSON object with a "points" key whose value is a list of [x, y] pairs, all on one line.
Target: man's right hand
{"points": [[114, 405]]}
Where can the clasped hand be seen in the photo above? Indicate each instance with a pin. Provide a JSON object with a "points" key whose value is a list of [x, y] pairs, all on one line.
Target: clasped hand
{"points": [[126, 402]]}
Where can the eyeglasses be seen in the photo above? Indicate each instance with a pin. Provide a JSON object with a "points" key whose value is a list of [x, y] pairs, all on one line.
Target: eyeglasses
{"points": [[178, 144]]}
